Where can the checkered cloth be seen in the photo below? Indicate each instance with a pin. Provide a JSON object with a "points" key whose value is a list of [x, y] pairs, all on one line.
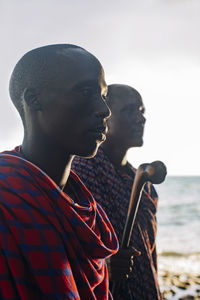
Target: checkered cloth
{"points": [[112, 189], [50, 247]]}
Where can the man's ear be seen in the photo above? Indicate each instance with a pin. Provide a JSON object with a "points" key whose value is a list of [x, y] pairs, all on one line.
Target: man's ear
{"points": [[31, 97]]}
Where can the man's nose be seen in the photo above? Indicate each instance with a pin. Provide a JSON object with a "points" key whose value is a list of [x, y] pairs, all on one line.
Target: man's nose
{"points": [[143, 119], [140, 118], [103, 110]]}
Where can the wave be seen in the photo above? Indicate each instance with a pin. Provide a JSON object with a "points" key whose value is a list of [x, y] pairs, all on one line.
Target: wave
{"points": [[178, 254], [177, 262]]}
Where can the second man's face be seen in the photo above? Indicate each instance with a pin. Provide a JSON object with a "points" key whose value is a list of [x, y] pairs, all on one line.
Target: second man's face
{"points": [[127, 121]]}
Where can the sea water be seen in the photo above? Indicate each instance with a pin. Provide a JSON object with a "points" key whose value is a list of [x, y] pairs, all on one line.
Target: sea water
{"points": [[178, 237]]}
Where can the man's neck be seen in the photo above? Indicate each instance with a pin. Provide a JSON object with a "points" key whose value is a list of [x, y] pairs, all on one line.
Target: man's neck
{"points": [[116, 153], [53, 162]]}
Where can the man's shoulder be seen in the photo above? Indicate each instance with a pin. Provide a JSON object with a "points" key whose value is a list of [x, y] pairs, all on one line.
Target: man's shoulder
{"points": [[82, 163], [95, 172], [131, 167], [150, 190], [6, 167]]}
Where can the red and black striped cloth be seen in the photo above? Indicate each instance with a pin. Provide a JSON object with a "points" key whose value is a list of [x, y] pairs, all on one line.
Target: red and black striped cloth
{"points": [[50, 247], [112, 189]]}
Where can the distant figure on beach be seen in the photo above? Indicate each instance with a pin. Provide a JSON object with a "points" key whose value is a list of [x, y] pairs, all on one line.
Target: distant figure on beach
{"points": [[54, 237], [109, 176]]}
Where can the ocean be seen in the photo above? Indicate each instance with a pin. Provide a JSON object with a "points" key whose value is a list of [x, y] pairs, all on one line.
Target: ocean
{"points": [[178, 237]]}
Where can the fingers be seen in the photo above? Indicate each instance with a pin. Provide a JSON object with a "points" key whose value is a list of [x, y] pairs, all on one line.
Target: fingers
{"points": [[121, 264], [128, 253], [135, 252]]}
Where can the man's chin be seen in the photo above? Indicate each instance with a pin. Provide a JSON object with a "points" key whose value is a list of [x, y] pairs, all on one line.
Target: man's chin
{"points": [[91, 151], [138, 143]]}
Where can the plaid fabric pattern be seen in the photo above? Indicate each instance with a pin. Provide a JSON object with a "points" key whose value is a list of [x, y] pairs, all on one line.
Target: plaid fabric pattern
{"points": [[112, 189], [50, 247]]}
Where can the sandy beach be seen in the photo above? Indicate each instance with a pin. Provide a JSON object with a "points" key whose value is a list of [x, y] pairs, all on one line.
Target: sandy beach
{"points": [[179, 286]]}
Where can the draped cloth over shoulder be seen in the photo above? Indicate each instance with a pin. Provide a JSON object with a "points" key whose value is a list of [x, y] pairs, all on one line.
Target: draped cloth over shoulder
{"points": [[112, 189], [50, 247]]}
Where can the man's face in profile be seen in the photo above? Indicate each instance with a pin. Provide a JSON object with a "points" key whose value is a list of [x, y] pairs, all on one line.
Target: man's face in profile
{"points": [[127, 120], [75, 112]]}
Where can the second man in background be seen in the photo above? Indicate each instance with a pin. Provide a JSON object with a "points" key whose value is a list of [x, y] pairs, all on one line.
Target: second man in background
{"points": [[109, 177]]}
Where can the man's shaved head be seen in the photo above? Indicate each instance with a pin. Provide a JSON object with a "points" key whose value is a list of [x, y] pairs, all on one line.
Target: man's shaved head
{"points": [[59, 92], [126, 124], [39, 67], [117, 92]]}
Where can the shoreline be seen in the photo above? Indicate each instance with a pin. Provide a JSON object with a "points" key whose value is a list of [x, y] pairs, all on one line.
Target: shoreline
{"points": [[179, 286]]}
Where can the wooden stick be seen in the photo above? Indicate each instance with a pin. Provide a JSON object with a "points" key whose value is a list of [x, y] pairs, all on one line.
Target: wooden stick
{"points": [[155, 173]]}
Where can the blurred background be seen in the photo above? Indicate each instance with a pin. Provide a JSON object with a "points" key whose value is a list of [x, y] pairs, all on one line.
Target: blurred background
{"points": [[154, 46]]}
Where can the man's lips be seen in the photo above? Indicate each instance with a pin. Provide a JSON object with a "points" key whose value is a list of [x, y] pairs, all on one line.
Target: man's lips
{"points": [[138, 130], [99, 133]]}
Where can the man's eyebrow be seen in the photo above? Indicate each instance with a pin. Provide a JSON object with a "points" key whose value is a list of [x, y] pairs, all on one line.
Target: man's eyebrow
{"points": [[131, 105], [134, 106]]}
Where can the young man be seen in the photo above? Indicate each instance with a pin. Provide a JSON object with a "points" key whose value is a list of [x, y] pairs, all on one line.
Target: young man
{"points": [[53, 244], [109, 177]]}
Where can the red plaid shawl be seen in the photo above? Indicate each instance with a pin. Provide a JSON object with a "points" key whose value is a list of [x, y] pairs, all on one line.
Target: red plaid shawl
{"points": [[112, 189], [50, 248]]}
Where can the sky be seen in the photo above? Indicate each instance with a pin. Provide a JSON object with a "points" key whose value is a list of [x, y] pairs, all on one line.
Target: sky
{"points": [[152, 45]]}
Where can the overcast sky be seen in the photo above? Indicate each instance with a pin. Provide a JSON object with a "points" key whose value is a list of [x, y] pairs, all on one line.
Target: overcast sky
{"points": [[153, 45]]}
